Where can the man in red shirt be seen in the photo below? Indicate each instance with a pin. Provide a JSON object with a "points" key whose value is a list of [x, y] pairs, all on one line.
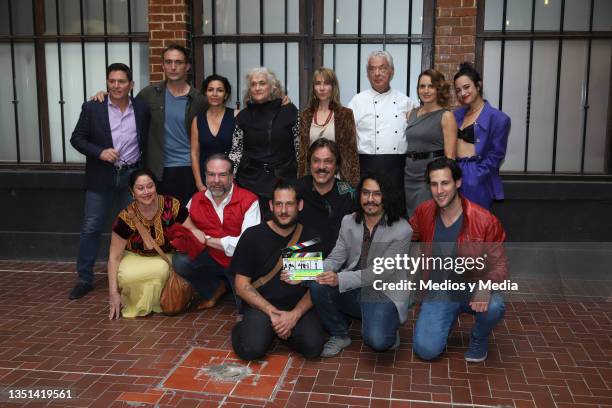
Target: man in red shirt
{"points": [[452, 227], [221, 213]]}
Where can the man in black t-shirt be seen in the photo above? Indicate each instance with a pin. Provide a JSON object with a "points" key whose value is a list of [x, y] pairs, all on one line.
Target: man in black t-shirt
{"points": [[326, 199], [275, 309]]}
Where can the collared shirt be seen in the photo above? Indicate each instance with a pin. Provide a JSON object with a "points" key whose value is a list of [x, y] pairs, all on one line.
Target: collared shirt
{"points": [[380, 119], [251, 217], [123, 131]]}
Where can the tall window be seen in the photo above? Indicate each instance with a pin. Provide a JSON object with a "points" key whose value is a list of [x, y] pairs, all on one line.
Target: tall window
{"points": [[547, 64], [56, 53], [293, 37]]}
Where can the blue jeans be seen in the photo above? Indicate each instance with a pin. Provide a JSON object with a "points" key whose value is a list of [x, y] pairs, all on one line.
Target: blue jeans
{"points": [[203, 273], [436, 319], [98, 205], [379, 318]]}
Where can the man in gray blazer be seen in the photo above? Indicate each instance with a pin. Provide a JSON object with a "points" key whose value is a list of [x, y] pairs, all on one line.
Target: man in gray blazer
{"points": [[352, 284]]}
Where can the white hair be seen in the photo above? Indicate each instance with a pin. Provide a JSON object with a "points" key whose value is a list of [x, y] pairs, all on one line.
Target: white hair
{"points": [[277, 88], [382, 54]]}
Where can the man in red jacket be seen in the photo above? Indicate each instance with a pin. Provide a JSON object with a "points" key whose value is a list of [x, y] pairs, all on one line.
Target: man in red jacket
{"points": [[221, 213], [453, 228]]}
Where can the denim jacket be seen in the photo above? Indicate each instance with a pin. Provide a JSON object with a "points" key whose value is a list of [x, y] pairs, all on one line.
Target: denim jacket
{"points": [[154, 97], [491, 130]]}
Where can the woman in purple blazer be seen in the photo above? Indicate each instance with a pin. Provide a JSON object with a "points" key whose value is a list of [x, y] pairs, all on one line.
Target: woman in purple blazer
{"points": [[481, 140]]}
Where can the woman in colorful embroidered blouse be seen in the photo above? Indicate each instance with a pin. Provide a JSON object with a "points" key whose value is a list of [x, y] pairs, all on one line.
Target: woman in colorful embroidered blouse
{"points": [[481, 141], [134, 267]]}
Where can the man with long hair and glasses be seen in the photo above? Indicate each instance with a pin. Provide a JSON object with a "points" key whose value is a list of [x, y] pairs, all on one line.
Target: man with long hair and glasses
{"points": [[351, 286]]}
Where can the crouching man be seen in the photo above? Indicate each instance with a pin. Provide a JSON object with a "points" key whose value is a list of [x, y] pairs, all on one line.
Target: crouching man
{"points": [[449, 225], [274, 308], [350, 287]]}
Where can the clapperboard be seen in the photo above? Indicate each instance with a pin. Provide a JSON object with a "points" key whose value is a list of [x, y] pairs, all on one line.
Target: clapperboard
{"points": [[300, 264]]}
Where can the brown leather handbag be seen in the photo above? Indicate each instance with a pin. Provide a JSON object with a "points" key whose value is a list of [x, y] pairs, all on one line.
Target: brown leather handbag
{"points": [[177, 293]]}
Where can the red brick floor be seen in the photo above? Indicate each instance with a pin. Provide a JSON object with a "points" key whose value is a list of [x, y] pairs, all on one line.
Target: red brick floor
{"points": [[544, 354]]}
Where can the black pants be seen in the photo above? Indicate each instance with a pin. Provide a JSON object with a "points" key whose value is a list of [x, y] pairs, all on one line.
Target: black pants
{"points": [[252, 337], [390, 164], [178, 182]]}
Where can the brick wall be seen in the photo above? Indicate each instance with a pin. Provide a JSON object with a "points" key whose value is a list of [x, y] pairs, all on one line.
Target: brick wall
{"points": [[169, 22], [455, 35]]}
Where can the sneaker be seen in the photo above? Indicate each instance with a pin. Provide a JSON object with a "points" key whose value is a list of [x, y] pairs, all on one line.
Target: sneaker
{"points": [[80, 290], [397, 341], [477, 351], [334, 346]]}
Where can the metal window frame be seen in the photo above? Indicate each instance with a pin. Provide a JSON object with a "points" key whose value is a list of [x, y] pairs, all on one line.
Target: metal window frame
{"points": [[560, 35], [39, 38], [310, 40]]}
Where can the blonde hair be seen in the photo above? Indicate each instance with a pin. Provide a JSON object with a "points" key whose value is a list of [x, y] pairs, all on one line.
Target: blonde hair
{"points": [[277, 89], [328, 75]]}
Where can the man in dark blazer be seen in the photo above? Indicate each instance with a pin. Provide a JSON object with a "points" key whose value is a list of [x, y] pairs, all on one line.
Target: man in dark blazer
{"points": [[111, 136]]}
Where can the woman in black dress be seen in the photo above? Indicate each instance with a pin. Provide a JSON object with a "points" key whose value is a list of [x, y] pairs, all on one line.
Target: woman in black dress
{"points": [[266, 137], [211, 129]]}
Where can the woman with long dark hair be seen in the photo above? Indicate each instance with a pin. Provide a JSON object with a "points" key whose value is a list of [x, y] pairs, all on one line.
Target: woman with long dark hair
{"points": [[212, 129], [482, 139]]}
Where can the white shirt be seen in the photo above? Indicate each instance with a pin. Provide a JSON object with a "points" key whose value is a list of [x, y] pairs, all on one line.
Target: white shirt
{"points": [[381, 121], [251, 217]]}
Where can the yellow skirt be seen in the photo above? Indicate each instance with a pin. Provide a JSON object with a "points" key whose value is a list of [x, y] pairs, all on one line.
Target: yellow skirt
{"points": [[141, 280]]}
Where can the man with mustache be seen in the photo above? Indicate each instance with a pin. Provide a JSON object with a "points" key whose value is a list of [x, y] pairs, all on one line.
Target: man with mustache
{"points": [[275, 308], [347, 288], [221, 213], [326, 198], [450, 225]]}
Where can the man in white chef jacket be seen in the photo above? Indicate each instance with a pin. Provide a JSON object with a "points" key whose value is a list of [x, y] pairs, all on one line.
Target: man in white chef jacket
{"points": [[380, 118]]}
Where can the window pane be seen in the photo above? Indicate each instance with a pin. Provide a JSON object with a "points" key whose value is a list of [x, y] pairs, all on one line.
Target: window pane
{"points": [[417, 16], [372, 17], [599, 102], [4, 19], [602, 15], [346, 72], [93, 14], [225, 20], [571, 100], [328, 56], [494, 12], [23, 23], [516, 80], [25, 81], [70, 20], [274, 59], [490, 72], [225, 62], [249, 17], [208, 61], [577, 15], [117, 16], [207, 16], [346, 16], [140, 16], [72, 87], [293, 25], [328, 17], [518, 15], [274, 16], [8, 152], [416, 51], [249, 58], [293, 73], [397, 15], [542, 116], [547, 15]]}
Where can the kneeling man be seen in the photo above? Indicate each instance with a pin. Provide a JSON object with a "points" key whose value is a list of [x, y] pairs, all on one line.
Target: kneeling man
{"points": [[449, 225], [274, 308], [349, 285]]}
